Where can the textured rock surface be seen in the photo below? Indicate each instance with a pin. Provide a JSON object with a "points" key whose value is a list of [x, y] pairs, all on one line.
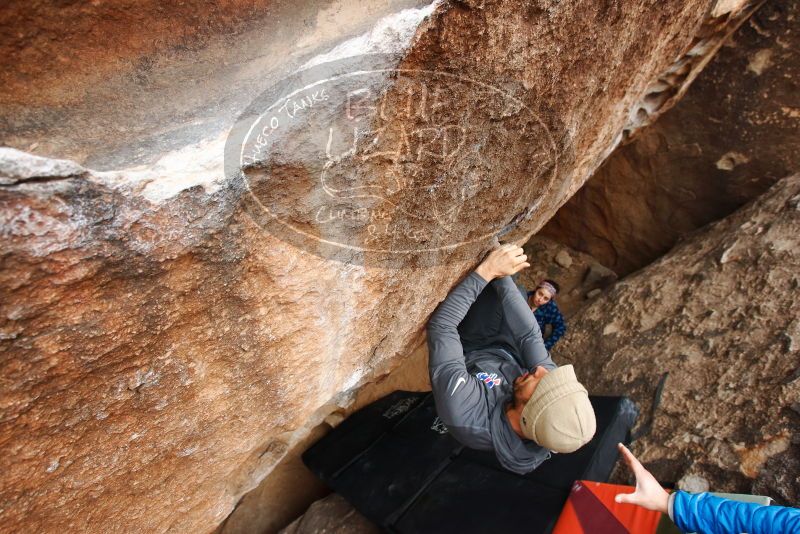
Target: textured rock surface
{"points": [[582, 276], [291, 487], [123, 82], [734, 133], [331, 515], [159, 352], [719, 314]]}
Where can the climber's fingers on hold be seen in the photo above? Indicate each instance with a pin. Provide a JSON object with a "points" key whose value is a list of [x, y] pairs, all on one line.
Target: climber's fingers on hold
{"points": [[521, 266]]}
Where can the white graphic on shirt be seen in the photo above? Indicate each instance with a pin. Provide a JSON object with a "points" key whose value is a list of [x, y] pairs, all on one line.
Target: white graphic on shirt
{"points": [[399, 407], [490, 380], [461, 380], [438, 426]]}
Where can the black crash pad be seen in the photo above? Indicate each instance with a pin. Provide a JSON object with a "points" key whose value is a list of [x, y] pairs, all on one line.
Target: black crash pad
{"points": [[396, 464]]}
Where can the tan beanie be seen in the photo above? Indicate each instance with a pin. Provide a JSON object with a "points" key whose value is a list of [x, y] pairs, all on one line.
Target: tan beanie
{"points": [[559, 416]]}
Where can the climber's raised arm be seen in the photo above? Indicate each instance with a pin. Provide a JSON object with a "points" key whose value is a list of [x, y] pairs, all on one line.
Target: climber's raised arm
{"points": [[449, 378], [443, 339]]}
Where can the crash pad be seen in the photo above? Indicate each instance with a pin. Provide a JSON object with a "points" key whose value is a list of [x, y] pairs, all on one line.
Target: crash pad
{"points": [[396, 463]]}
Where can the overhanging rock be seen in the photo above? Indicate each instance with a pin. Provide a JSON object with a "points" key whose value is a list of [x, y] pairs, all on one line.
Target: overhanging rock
{"points": [[161, 350]]}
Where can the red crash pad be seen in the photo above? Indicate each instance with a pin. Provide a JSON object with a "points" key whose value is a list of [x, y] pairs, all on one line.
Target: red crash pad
{"points": [[591, 508]]}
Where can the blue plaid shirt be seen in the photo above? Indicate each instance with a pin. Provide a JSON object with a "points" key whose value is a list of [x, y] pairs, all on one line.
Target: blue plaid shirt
{"points": [[550, 314]]}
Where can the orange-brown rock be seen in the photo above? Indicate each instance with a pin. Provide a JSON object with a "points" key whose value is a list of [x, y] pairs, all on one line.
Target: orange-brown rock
{"points": [[581, 281], [331, 515], [719, 315], [733, 135], [160, 350]]}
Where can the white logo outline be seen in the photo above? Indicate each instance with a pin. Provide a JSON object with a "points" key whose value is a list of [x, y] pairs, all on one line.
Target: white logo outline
{"points": [[461, 380]]}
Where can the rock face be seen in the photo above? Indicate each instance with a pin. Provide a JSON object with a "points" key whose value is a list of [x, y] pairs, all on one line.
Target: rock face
{"points": [[291, 487], [734, 133], [117, 83], [331, 515], [719, 315], [159, 350], [583, 275]]}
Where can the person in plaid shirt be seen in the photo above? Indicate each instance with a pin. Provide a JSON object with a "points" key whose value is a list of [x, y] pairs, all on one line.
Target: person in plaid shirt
{"points": [[544, 308]]}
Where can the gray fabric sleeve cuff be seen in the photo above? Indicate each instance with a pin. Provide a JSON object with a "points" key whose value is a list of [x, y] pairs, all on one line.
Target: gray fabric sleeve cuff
{"points": [[478, 277], [670, 506]]}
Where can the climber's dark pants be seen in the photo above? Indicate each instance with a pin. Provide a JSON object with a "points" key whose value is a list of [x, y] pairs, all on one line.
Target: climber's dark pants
{"points": [[514, 330]]}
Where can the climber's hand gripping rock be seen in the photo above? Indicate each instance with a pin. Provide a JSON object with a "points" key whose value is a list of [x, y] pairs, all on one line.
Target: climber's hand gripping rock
{"points": [[505, 260]]}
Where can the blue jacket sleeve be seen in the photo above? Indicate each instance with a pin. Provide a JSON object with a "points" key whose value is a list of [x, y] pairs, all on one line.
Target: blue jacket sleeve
{"points": [[706, 514], [559, 326]]}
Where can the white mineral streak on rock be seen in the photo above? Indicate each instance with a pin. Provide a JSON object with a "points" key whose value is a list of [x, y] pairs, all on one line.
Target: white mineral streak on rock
{"points": [[17, 166], [390, 35], [199, 164], [338, 319], [724, 7]]}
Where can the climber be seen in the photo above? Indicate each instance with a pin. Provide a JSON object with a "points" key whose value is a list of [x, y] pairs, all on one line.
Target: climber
{"points": [[705, 513], [482, 342], [543, 305]]}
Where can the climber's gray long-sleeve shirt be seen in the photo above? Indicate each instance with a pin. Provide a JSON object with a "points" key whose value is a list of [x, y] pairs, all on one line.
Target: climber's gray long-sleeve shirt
{"points": [[478, 338]]}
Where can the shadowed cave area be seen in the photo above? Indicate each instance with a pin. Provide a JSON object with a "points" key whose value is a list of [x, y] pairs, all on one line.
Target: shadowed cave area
{"points": [[225, 226]]}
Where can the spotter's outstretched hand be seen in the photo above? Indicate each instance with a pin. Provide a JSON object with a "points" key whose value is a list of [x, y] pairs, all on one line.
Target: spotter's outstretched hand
{"points": [[649, 493]]}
